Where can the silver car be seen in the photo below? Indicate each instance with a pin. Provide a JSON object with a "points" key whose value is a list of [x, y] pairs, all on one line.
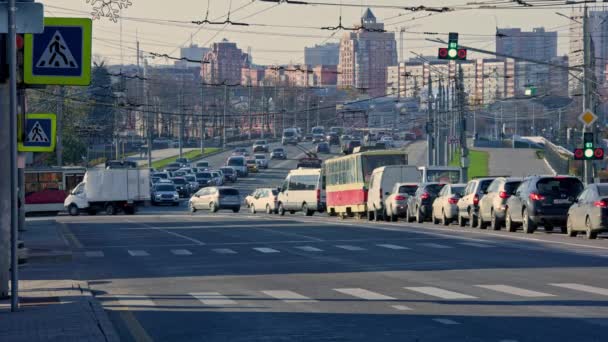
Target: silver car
{"points": [[396, 202], [165, 193], [217, 177], [445, 206], [216, 198], [193, 182], [261, 160]]}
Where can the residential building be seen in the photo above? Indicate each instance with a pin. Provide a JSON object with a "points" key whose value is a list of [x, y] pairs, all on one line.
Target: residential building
{"points": [[325, 75], [537, 44], [192, 53], [365, 55], [223, 63], [252, 76], [325, 54]]}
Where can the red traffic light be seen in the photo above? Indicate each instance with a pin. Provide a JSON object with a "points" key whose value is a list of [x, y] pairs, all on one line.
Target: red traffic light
{"points": [[462, 54], [598, 153], [579, 154], [443, 53]]}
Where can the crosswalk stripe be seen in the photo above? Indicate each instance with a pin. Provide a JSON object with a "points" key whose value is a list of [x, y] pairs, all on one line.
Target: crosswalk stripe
{"points": [[517, 291], [309, 249], [212, 298], [138, 253], [476, 244], [441, 293], [288, 296], [135, 301], [583, 288], [94, 254], [364, 294], [401, 307], [181, 252], [266, 250], [433, 245], [350, 248], [389, 246], [224, 251], [445, 321]]}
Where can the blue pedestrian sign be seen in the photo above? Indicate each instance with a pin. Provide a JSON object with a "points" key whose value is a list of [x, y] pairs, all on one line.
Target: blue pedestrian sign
{"points": [[61, 54], [38, 134]]}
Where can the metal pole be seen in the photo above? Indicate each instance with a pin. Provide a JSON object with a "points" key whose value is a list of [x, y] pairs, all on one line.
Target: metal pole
{"points": [[12, 71], [181, 121], [249, 110], [202, 117], [59, 143], [429, 124], [587, 101], [224, 118], [464, 151], [147, 115]]}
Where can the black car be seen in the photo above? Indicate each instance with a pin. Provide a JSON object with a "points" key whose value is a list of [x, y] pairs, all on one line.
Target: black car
{"points": [[183, 161], [542, 200], [589, 213], [350, 146], [420, 206], [323, 147], [278, 153], [229, 174], [333, 138], [182, 186], [204, 179]]}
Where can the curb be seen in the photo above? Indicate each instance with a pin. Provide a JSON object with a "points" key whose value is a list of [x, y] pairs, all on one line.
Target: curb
{"points": [[101, 316]]}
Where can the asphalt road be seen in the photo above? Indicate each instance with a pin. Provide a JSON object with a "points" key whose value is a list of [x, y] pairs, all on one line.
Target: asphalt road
{"points": [[240, 277]]}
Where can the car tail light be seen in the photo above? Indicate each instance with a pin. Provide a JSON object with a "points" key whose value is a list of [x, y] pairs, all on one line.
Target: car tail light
{"points": [[453, 200], [503, 195], [425, 196], [536, 197], [476, 199], [399, 198], [601, 204], [318, 195]]}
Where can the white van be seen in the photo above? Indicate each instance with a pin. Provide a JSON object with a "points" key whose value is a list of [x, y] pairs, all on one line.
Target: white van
{"points": [[382, 181], [290, 136], [239, 164], [303, 190]]}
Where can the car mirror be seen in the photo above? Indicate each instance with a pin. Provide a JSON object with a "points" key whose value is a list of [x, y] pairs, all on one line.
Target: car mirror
{"points": [[387, 193]]}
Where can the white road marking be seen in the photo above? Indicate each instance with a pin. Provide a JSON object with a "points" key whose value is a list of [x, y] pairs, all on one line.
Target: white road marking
{"points": [[181, 252], [583, 288], [135, 300], [212, 298], [445, 321], [266, 250], [94, 254], [433, 245], [224, 251], [401, 307], [364, 294], [517, 291], [198, 242], [389, 246], [309, 249], [288, 296], [350, 248], [138, 253], [440, 293], [475, 244]]}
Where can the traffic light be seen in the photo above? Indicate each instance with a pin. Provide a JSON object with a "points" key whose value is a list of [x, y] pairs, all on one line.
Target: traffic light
{"points": [[588, 152], [452, 52]]}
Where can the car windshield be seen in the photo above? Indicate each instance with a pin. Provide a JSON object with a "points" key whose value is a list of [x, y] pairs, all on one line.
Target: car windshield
{"points": [[278, 150], [557, 186], [165, 187], [174, 165], [236, 162], [179, 181], [250, 161], [260, 142], [202, 164], [511, 186], [288, 134], [602, 190], [227, 170], [259, 156], [408, 189], [215, 174], [203, 175], [229, 192], [161, 175]]}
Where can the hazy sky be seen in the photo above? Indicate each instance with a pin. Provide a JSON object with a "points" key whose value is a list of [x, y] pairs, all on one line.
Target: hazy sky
{"points": [[163, 26]]}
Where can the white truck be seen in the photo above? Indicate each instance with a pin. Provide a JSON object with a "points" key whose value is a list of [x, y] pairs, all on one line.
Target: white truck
{"points": [[111, 190]]}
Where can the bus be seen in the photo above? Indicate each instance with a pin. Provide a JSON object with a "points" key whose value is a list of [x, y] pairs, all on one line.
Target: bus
{"points": [[347, 179], [47, 188], [441, 174]]}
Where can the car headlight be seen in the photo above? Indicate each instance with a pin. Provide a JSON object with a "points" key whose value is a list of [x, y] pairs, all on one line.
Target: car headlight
{"points": [[157, 195], [175, 196]]}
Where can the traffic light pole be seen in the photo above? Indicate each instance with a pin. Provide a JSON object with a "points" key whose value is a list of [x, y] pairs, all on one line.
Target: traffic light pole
{"points": [[464, 150], [587, 98]]}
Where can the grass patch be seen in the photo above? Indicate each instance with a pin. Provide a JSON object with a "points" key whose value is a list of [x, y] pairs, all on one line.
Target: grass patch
{"points": [[194, 154], [478, 166]]}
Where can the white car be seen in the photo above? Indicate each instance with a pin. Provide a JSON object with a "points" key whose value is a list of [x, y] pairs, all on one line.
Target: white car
{"points": [[217, 177], [388, 141], [261, 160], [263, 200]]}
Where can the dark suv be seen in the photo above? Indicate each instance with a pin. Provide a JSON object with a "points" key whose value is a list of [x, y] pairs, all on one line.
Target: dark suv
{"points": [[542, 200], [420, 206]]}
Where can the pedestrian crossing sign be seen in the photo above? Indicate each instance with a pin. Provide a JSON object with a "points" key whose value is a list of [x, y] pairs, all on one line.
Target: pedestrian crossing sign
{"points": [[38, 133], [61, 54]]}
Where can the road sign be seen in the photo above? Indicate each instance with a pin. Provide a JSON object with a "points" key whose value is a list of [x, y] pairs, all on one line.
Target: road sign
{"points": [[40, 133], [587, 118], [61, 54], [30, 17]]}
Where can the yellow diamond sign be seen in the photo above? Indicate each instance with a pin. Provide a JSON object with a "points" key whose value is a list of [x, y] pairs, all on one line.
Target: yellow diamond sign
{"points": [[587, 118]]}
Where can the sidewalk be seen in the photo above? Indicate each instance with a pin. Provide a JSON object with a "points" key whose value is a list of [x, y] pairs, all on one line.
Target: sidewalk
{"points": [[53, 306]]}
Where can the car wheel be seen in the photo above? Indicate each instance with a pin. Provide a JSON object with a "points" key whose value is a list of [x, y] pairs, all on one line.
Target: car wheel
{"points": [[527, 224], [281, 209], [307, 211], [214, 208], [570, 228], [376, 215], [461, 221], [444, 219], [268, 210], [385, 215], [236, 210], [370, 215], [408, 217], [509, 225], [110, 209], [494, 222], [589, 233], [419, 217], [73, 210], [252, 209], [192, 208], [480, 223]]}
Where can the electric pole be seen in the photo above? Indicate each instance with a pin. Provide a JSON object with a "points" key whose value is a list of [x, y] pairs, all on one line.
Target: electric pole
{"points": [[588, 103], [202, 115], [59, 143], [224, 118], [429, 123], [464, 151], [148, 115]]}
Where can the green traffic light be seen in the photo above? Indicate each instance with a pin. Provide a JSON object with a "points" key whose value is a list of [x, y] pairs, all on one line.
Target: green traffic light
{"points": [[452, 53], [588, 153]]}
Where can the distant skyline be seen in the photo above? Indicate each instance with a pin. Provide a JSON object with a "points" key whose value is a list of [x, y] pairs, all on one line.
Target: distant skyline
{"points": [[163, 26]]}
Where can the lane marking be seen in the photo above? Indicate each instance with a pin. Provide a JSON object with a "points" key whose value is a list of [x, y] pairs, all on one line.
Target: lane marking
{"points": [[445, 321], [434, 245], [198, 242], [288, 296], [94, 254], [350, 248], [389, 246], [224, 251], [181, 252], [67, 232], [583, 288], [266, 250], [440, 293], [138, 253], [212, 298], [401, 307], [517, 291], [364, 294], [135, 300], [475, 244], [309, 249]]}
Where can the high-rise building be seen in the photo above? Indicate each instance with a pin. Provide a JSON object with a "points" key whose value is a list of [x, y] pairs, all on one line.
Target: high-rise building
{"points": [[326, 54], [192, 53], [365, 55], [537, 44], [325, 75], [223, 63]]}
